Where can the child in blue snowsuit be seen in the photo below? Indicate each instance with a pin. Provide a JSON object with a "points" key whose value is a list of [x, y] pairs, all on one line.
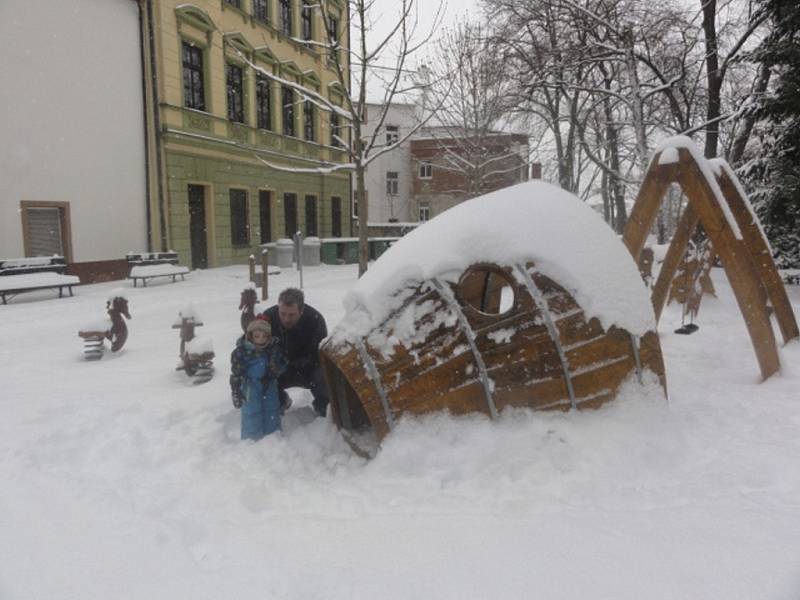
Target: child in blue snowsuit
{"points": [[256, 363]]}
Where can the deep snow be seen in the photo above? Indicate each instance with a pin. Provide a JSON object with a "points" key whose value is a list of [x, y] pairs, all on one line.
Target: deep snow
{"points": [[122, 480]]}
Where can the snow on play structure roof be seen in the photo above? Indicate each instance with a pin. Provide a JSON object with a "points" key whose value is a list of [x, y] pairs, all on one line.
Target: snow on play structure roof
{"points": [[667, 151], [532, 221]]}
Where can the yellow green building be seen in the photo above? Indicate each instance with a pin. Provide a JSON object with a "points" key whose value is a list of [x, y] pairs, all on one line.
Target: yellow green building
{"points": [[233, 127]]}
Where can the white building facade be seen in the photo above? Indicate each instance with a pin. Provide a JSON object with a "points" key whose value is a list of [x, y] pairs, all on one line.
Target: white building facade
{"points": [[389, 177], [72, 161]]}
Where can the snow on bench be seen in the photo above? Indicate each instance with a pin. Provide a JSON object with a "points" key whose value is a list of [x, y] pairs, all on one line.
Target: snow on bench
{"points": [[790, 276], [145, 272], [148, 265], [19, 275]]}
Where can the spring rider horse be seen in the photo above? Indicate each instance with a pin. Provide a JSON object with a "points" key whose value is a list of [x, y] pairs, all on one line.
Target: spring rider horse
{"points": [[247, 305], [112, 328], [196, 353]]}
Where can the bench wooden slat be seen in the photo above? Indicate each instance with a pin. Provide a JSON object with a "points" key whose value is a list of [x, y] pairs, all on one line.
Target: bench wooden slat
{"points": [[144, 273], [11, 285]]}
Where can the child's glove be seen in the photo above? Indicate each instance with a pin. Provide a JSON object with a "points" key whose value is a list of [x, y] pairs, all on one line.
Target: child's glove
{"points": [[237, 398]]}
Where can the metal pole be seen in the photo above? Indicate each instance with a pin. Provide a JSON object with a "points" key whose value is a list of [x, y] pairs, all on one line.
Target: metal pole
{"points": [[264, 271], [298, 249]]}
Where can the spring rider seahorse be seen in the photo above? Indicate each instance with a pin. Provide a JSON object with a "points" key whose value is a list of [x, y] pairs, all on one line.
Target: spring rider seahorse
{"points": [[112, 328], [247, 304]]}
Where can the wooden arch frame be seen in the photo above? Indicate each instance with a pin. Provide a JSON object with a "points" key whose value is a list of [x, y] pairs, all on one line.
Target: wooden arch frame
{"points": [[714, 199]]}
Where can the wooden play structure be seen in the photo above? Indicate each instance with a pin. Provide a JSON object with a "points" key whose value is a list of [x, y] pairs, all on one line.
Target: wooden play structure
{"points": [[497, 336], [503, 335], [715, 199], [247, 304], [196, 353], [113, 329], [541, 352]]}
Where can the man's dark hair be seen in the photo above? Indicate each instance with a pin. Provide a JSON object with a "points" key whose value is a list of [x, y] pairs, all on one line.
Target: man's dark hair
{"points": [[292, 297]]}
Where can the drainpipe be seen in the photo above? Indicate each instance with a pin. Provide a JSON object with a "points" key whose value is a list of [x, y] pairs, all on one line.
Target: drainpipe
{"points": [[157, 126], [349, 91], [143, 59]]}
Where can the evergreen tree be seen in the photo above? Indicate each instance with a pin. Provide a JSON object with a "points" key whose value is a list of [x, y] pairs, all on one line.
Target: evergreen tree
{"points": [[776, 174]]}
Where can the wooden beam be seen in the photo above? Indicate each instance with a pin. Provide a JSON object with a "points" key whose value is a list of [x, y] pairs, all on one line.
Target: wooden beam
{"points": [[740, 257], [760, 254], [651, 194], [747, 288], [673, 258]]}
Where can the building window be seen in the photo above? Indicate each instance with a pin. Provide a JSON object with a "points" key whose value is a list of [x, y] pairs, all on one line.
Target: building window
{"points": [[336, 134], [392, 135], [46, 228], [261, 10], [235, 89], [265, 215], [311, 216], [285, 7], [240, 230], [333, 37], [194, 95], [289, 215], [336, 216], [308, 121], [263, 102], [425, 170], [424, 213], [306, 17], [392, 183], [355, 204], [235, 3], [287, 95]]}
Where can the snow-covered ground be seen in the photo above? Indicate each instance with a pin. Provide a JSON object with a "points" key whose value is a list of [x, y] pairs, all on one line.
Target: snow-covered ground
{"points": [[120, 479]]}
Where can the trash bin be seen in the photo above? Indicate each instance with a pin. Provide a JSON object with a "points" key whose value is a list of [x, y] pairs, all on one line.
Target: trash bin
{"points": [[272, 254], [311, 251], [284, 250]]}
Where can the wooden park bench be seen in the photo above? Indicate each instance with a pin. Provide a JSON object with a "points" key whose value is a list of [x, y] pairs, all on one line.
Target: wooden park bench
{"points": [[149, 265], [790, 276], [19, 275]]}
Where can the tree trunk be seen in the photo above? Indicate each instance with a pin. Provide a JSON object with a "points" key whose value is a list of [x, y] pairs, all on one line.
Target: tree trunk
{"points": [[740, 142], [712, 77], [632, 66], [617, 193]]}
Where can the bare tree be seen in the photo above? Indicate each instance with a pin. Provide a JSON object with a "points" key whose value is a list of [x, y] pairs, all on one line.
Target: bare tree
{"points": [[603, 76], [718, 62], [369, 59], [472, 89], [361, 62], [542, 51]]}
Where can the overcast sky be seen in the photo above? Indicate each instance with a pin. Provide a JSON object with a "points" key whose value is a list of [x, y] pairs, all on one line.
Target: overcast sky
{"points": [[385, 16]]}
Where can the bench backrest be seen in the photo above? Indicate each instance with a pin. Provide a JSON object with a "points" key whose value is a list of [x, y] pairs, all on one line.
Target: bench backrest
{"points": [[136, 259], [32, 264]]}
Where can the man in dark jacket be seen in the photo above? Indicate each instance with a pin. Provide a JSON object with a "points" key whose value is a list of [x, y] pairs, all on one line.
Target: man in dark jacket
{"points": [[299, 329]]}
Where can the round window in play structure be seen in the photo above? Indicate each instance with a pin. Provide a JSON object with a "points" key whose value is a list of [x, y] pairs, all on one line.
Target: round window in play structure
{"points": [[486, 289]]}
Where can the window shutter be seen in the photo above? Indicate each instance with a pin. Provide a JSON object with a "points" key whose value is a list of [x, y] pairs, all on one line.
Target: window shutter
{"points": [[44, 231]]}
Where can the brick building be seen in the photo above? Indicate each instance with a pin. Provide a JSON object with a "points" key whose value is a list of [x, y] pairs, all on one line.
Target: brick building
{"points": [[448, 168]]}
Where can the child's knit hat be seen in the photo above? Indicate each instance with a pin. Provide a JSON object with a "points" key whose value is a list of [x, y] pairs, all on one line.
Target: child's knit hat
{"points": [[259, 325]]}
